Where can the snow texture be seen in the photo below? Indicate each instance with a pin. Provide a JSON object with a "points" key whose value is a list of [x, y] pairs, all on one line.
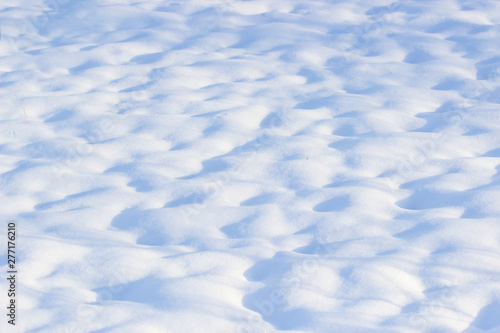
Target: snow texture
{"points": [[252, 165]]}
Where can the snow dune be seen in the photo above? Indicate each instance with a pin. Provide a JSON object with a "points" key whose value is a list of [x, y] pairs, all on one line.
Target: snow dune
{"points": [[252, 166]]}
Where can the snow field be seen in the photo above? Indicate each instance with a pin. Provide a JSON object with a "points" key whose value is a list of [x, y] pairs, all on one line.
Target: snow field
{"points": [[252, 166]]}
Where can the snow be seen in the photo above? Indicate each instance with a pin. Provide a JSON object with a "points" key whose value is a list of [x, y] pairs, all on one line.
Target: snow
{"points": [[252, 165]]}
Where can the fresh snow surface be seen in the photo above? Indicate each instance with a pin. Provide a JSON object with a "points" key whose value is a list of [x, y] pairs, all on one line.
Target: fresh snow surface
{"points": [[251, 166]]}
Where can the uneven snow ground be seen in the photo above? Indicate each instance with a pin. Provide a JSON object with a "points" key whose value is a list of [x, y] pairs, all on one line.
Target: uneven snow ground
{"points": [[252, 166]]}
